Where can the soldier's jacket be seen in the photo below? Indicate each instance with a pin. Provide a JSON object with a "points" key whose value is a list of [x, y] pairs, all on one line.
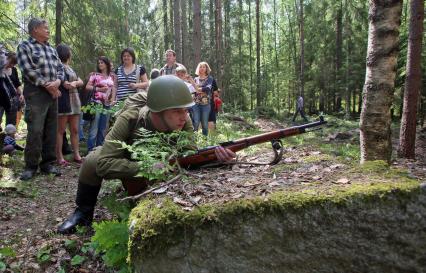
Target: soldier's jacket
{"points": [[113, 161]]}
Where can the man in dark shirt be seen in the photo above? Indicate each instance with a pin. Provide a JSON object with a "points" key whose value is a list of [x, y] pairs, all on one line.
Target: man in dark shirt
{"points": [[170, 67], [11, 75], [42, 73], [299, 109]]}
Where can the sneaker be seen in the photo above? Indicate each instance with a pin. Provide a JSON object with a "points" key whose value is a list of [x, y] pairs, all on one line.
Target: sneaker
{"points": [[27, 174]]}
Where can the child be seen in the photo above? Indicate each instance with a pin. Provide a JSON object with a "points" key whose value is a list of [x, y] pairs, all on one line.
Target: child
{"points": [[217, 101], [9, 142]]}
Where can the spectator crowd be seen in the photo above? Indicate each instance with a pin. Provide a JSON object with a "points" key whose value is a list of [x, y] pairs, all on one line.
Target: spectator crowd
{"points": [[50, 96]]}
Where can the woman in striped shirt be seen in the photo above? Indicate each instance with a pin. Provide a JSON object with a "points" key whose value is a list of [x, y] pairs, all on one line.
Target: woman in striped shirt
{"points": [[130, 77]]}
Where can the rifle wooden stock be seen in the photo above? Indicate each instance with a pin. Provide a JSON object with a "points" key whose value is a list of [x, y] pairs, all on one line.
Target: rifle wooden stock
{"points": [[207, 155]]}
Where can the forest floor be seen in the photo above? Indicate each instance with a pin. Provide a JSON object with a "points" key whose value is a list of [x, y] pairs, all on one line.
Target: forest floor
{"points": [[31, 211]]}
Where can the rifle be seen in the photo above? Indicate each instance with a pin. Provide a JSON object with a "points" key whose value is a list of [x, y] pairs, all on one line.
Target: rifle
{"points": [[207, 155]]}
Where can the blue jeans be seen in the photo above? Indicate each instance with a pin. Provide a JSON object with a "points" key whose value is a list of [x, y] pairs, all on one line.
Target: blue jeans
{"points": [[97, 130], [81, 128], [201, 114]]}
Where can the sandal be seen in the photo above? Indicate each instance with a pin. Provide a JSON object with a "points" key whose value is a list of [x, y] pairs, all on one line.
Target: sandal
{"points": [[79, 161], [63, 162]]}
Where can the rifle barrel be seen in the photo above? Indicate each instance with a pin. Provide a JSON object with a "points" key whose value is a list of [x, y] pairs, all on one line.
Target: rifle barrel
{"points": [[207, 154]]}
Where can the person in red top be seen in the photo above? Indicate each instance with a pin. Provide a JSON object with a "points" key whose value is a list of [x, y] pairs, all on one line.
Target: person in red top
{"points": [[217, 101]]}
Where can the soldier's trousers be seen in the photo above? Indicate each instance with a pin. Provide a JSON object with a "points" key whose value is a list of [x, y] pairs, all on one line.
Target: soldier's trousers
{"points": [[41, 116], [88, 175]]}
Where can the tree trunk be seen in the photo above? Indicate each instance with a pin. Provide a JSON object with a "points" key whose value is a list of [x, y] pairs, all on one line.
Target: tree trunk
{"points": [[126, 21], [294, 54], [177, 27], [277, 95], [250, 58], [171, 22], [302, 50], [258, 80], [212, 38], [165, 26], [227, 52], [413, 80], [348, 81], [382, 52], [338, 59], [58, 22], [197, 31], [219, 42], [240, 53], [185, 40]]}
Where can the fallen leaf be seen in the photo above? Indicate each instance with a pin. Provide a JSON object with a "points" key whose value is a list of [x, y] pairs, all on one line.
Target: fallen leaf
{"points": [[336, 166], [343, 181], [314, 168], [196, 199], [248, 184], [161, 190], [273, 184], [182, 202], [237, 196]]}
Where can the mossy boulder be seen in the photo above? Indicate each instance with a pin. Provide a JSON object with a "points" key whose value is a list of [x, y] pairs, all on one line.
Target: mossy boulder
{"points": [[374, 227]]}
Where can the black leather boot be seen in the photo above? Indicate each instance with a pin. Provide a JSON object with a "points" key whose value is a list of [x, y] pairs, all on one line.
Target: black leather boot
{"points": [[87, 196]]}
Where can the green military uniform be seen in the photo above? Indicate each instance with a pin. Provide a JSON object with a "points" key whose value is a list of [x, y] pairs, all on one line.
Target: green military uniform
{"points": [[111, 161]]}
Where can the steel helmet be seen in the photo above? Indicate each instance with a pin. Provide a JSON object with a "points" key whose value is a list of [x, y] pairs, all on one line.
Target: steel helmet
{"points": [[167, 92]]}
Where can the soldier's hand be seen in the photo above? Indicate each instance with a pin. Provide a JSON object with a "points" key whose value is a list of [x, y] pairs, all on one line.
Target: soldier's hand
{"points": [[224, 155]]}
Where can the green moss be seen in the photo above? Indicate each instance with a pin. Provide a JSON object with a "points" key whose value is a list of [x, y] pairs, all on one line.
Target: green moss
{"points": [[381, 169], [160, 223], [313, 158]]}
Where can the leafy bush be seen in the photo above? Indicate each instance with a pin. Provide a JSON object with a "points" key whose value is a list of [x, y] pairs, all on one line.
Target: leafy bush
{"points": [[153, 150], [110, 240]]}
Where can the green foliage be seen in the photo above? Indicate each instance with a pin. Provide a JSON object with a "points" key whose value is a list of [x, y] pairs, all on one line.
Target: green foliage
{"points": [[345, 150], [81, 230], [111, 238], [120, 209], [43, 255], [94, 108], [77, 260], [153, 150], [70, 245], [6, 252], [94, 28]]}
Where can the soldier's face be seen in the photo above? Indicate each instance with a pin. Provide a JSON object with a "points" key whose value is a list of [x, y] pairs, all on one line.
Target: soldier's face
{"points": [[175, 118]]}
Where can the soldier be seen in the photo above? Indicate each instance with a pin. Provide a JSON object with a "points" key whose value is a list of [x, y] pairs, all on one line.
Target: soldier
{"points": [[165, 111]]}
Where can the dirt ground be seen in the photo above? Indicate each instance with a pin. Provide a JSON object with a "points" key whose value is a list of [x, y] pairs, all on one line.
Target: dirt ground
{"points": [[31, 211]]}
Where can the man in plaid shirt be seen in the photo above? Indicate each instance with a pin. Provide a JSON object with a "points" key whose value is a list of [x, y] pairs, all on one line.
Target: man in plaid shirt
{"points": [[42, 73]]}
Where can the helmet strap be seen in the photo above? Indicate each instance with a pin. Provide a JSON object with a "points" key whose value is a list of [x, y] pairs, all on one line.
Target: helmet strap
{"points": [[163, 120]]}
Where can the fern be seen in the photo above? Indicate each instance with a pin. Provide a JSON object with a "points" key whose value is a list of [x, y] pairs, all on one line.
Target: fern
{"points": [[153, 151], [111, 239]]}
